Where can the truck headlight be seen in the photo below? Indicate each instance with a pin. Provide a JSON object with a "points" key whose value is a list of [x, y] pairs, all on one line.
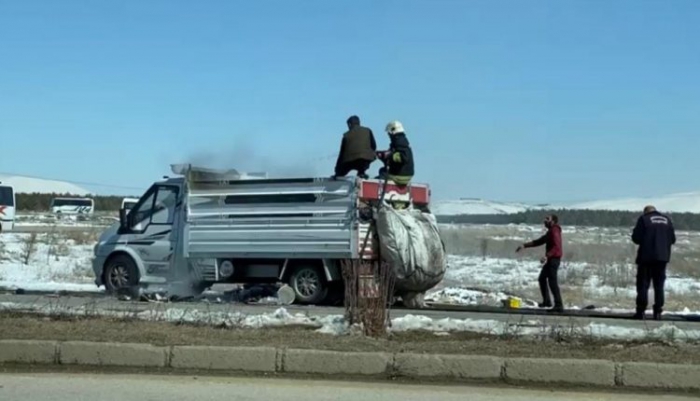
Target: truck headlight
{"points": [[226, 269]]}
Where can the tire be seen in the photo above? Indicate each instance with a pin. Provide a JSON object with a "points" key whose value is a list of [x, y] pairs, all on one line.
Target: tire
{"points": [[309, 285], [120, 273]]}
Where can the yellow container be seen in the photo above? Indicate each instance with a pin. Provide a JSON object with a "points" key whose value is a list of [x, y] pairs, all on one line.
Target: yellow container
{"points": [[513, 303]]}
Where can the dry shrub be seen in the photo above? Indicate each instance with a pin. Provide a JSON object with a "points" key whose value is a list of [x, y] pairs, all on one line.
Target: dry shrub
{"points": [[29, 247], [686, 264], [617, 275], [501, 242], [61, 249], [83, 237], [484, 248], [369, 287], [574, 274], [3, 250], [57, 246]]}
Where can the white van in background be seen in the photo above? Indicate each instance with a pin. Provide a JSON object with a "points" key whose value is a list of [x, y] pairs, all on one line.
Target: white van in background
{"points": [[7, 208], [129, 203], [80, 206]]}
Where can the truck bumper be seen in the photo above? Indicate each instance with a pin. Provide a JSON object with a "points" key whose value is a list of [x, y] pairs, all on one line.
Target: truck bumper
{"points": [[6, 225]]}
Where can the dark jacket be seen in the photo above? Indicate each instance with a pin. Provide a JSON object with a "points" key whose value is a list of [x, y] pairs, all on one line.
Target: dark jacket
{"points": [[552, 241], [357, 144], [654, 233], [400, 157]]}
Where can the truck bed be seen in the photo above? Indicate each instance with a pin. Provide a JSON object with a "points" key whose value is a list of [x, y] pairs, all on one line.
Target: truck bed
{"points": [[271, 218]]}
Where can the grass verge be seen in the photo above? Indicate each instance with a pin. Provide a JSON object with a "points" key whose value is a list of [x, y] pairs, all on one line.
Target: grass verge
{"points": [[29, 327]]}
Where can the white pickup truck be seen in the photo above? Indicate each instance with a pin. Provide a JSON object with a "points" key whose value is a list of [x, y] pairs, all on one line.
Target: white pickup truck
{"points": [[210, 226]]}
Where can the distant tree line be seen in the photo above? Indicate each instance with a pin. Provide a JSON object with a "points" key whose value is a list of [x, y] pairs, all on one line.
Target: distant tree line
{"points": [[36, 202], [586, 218]]}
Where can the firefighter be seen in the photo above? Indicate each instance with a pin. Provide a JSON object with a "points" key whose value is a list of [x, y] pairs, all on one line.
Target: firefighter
{"points": [[550, 263], [655, 235], [398, 160], [357, 150]]}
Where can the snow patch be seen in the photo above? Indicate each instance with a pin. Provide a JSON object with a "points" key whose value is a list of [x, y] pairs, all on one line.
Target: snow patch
{"points": [[474, 297], [56, 264], [336, 325]]}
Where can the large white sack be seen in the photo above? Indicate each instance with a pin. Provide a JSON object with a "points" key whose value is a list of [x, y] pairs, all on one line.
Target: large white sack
{"points": [[410, 243]]}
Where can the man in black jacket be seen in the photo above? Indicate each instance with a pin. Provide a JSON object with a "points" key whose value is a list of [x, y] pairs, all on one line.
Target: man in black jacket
{"points": [[357, 150], [654, 233], [399, 158]]}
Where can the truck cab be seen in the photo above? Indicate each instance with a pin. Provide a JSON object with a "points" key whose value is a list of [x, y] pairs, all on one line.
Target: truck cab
{"points": [[210, 226]]}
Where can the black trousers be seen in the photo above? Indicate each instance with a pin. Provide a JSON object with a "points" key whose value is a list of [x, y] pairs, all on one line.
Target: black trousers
{"points": [[549, 282], [648, 273], [360, 165]]}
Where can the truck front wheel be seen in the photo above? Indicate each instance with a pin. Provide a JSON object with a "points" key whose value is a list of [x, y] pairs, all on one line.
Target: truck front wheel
{"points": [[308, 284], [120, 273]]}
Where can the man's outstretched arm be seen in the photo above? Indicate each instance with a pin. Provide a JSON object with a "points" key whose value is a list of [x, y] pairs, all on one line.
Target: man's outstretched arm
{"points": [[533, 244]]}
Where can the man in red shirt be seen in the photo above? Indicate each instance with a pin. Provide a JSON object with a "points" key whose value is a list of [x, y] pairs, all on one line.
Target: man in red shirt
{"points": [[550, 262]]}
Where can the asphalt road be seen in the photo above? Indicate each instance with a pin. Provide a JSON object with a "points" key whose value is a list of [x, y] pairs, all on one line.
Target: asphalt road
{"points": [[107, 387], [111, 304]]}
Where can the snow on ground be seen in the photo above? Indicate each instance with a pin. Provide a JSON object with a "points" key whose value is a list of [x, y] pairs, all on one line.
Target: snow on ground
{"points": [[336, 325], [471, 280], [466, 296], [492, 273], [55, 264]]}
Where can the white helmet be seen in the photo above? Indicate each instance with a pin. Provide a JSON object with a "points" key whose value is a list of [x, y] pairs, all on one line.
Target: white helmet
{"points": [[394, 127]]}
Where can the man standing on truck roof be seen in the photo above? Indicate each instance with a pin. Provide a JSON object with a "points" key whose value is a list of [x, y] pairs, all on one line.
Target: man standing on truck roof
{"points": [[398, 160], [655, 235], [550, 262], [357, 150]]}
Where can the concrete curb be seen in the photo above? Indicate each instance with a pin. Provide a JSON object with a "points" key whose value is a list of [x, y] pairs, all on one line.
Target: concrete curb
{"points": [[465, 368]]}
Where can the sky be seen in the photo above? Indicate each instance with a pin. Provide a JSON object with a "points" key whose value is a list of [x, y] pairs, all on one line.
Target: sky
{"points": [[537, 101]]}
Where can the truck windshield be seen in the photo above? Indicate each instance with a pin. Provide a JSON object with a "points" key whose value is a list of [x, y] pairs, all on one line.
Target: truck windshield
{"points": [[158, 207]]}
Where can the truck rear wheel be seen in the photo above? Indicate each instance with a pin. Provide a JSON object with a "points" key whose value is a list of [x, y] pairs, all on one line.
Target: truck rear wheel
{"points": [[120, 273], [308, 284]]}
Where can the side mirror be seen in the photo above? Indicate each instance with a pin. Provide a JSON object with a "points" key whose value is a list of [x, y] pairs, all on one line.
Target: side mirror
{"points": [[123, 221]]}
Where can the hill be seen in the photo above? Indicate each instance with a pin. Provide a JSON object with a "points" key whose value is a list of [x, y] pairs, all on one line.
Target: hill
{"points": [[28, 185], [478, 206], [688, 202]]}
